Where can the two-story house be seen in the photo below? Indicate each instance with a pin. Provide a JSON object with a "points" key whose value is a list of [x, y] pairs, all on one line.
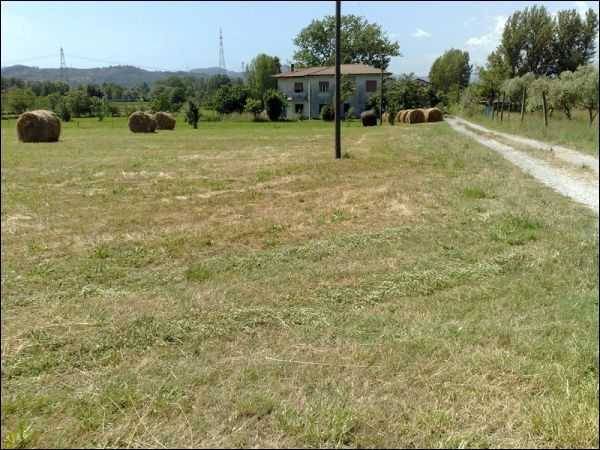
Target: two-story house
{"points": [[308, 90]]}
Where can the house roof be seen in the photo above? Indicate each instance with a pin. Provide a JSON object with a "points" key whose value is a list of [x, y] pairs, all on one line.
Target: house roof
{"points": [[346, 69]]}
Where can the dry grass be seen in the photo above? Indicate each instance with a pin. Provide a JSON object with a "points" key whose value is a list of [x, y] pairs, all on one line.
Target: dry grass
{"points": [[246, 289]]}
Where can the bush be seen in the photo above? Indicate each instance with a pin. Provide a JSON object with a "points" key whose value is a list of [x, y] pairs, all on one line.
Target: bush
{"points": [[63, 111], [228, 99], [327, 113], [275, 104], [253, 106], [192, 114]]}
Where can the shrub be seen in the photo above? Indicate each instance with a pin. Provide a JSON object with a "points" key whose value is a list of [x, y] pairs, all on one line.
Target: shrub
{"points": [[327, 113], [192, 114], [275, 104], [253, 106], [63, 111]]}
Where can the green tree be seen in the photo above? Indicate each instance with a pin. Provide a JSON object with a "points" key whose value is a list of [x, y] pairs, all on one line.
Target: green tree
{"points": [[586, 81], [450, 73], [275, 104], [563, 93], [493, 75], [253, 106], [347, 87], [228, 99], [192, 114], [79, 103], [527, 42], [63, 110], [20, 100], [361, 42], [260, 73], [161, 102], [574, 44]]}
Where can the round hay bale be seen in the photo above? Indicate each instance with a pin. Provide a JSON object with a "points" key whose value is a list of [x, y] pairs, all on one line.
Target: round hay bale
{"points": [[415, 116], [400, 115], [433, 115], [38, 126], [368, 118], [164, 121], [141, 122]]}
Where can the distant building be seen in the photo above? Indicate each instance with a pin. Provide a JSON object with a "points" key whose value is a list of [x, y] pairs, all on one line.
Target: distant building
{"points": [[308, 90]]}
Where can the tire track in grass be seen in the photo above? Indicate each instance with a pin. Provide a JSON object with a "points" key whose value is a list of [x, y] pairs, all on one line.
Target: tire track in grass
{"points": [[580, 190], [570, 156]]}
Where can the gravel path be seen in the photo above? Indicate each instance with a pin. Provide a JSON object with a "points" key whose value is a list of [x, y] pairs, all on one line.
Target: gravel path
{"points": [[562, 181], [566, 154]]}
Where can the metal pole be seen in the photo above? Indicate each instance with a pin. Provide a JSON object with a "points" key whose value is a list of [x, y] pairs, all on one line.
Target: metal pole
{"points": [[338, 144]]}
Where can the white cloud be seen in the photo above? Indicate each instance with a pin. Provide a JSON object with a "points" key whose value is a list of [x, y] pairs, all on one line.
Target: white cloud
{"points": [[489, 40], [421, 34]]}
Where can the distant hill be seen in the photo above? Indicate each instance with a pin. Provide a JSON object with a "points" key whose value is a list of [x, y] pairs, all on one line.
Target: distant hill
{"points": [[128, 76]]}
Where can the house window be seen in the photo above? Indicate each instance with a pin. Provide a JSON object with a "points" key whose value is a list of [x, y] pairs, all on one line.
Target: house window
{"points": [[371, 85], [299, 87], [299, 108], [323, 86]]}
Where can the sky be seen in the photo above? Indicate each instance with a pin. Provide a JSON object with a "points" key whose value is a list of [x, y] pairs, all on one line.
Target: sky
{"points": [[185, 35]]}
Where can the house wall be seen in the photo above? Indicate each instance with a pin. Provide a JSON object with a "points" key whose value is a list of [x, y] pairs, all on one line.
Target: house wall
{"points": [[311, 92]]}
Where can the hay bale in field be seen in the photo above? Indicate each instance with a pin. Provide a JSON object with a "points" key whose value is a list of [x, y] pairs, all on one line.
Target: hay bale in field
{"points": [[368, 118], [404, 113], [38, 126], [164, 121], [141, 122], [433, 115], [415, 116], [399, 116]]}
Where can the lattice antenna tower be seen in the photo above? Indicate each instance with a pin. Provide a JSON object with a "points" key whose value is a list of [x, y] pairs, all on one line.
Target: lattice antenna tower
{"points": [[63, 66], [221, 51]]}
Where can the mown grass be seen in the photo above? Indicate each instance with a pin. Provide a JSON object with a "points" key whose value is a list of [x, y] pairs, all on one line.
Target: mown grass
{"points": [[576, 133], [236, 286]]}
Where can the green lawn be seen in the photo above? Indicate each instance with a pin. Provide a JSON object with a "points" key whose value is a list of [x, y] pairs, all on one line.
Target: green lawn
{"points": [[576, 134], [235, 285]]}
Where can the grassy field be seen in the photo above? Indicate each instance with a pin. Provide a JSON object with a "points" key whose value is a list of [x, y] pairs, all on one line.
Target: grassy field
{"points": [[576, 134], [236, 286]]}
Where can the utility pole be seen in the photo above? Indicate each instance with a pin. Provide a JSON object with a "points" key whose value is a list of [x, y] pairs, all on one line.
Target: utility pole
{"points": [[338, 144], [381, 95]]}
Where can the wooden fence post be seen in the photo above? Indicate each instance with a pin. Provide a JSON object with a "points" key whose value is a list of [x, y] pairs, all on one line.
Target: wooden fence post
{"points": [[545, 107], [523, 104], [502, 107]]}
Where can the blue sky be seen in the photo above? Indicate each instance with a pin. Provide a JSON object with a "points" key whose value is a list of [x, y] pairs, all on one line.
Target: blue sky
{"points": [[184, 35]]}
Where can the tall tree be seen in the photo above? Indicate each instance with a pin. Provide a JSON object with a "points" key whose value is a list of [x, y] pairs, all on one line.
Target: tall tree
{"points": [[450, 72], [361, 42], [491, 77], [574, 44], [513, 42], [260, 73]]}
